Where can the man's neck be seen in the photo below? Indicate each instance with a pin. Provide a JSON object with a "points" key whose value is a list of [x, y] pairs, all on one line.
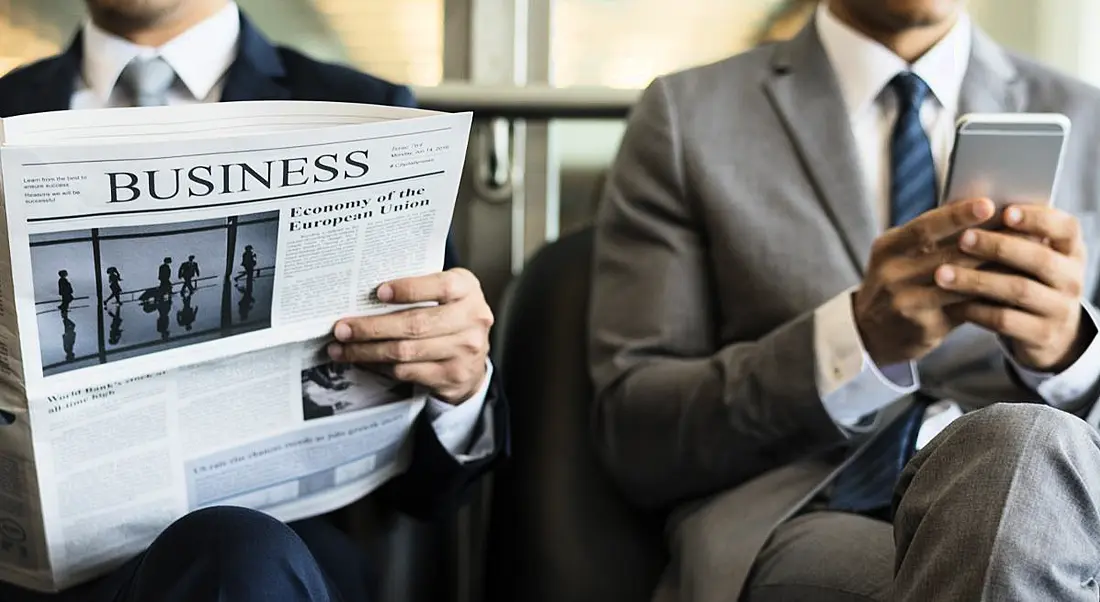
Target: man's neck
{"points": [[164, 28], [909, 44]]}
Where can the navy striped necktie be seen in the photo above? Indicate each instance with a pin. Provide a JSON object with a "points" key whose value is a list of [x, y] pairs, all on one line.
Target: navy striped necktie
{"points": [[866, 485], [912, 169]]}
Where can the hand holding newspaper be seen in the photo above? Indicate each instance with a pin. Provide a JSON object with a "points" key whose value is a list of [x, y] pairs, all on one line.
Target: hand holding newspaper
{"points": [[169, 278]]}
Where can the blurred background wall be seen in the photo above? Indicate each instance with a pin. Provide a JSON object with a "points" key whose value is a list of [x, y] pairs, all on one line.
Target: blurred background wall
{"points": [[617, 43]]}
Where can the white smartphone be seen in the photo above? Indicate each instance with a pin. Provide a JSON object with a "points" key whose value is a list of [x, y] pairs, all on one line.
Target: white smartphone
{"points": [[1009, 158]]}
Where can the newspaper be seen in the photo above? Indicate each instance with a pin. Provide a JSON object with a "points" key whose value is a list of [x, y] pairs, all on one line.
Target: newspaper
{"points": [[169, 278]]}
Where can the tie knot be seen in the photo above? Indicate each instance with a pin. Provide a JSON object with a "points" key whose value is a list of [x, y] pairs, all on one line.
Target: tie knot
{"points": [[911, 90], [147, 81]]}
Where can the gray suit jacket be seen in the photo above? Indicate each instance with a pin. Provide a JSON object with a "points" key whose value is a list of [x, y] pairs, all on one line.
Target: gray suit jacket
{"points": [[733, 211]]}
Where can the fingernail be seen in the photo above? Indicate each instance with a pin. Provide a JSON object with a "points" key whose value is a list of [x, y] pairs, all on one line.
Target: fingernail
{"points": [[1013, 216], [335, 351], [342, 332], [946, 275], [969, 238], [385, 293], [984, 209]]}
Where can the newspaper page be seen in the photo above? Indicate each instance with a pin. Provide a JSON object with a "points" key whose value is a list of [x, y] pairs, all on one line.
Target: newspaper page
{"points": [[170, 280]]}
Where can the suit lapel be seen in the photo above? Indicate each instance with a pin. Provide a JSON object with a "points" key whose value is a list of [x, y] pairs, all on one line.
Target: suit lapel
{"points": [[257, 73], [805, 94], [991, 84]]}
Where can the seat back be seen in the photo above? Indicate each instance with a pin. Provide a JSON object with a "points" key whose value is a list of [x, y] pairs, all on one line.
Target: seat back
{"points": [[560, 530]]}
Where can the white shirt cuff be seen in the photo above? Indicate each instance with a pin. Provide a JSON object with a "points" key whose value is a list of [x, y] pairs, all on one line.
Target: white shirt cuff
{"points": [[455, 425], [851, 386], [1067, 389]]}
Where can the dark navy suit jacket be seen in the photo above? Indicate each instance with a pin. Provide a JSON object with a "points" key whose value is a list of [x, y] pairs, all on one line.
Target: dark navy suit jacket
{"points": [[436, 481]]}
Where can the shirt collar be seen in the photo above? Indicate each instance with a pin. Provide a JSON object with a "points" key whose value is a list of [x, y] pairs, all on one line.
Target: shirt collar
{"points": [[200, 56], [864, 67]]}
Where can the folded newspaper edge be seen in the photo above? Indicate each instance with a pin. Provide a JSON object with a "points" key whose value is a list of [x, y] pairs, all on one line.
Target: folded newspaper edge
{"points": [[169, 280]]}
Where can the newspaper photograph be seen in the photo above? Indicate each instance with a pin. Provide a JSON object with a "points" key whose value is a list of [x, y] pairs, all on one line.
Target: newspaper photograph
{"points": [[155, 271], [165, 302]]}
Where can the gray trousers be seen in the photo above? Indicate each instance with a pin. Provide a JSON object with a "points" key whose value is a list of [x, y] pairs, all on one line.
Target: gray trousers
{"points": [[1003, 505]]}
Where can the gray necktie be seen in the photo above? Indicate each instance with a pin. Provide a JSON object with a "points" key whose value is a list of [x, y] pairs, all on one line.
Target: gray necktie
{"points": [[146, 81]]}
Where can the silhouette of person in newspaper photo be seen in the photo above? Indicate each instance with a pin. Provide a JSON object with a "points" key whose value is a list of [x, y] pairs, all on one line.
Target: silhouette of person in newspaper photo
{"points": [[115, 335], [165, 276], [189, 270], [114, 282], [185, 317], [68, 337], [164, 313], [246, 302], [248, 266], [64, 290]]}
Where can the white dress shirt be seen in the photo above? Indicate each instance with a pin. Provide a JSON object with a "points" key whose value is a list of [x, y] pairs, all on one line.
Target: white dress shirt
{"points": [[850, 384], [201, 57]]}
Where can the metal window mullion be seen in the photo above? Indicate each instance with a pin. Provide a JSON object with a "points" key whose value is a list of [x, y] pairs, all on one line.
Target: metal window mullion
{"points": [[541, 163], [484, 44]]}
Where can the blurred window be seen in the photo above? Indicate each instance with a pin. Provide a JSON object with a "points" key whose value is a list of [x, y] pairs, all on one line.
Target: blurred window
{"points": [[400, 40], [626, 43], [27, 33]]}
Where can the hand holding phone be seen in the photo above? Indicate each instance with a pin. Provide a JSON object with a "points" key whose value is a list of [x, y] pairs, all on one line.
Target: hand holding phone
{"points": [[1035, 300], [1009, 158]]}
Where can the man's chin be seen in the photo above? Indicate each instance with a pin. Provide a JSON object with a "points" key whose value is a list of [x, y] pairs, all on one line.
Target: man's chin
{"points": [[910, 21], [133, 15], [898, 16]]}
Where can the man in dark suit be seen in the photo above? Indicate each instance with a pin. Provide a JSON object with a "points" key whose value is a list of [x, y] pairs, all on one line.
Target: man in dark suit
{"points": [[168, 52]]}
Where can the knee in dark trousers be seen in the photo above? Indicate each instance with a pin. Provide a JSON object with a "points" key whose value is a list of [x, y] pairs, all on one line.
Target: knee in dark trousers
{"points": [[228, 553]]}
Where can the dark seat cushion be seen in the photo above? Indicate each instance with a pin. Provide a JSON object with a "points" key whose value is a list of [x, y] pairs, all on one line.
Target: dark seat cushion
{"points": [[560, 530]]}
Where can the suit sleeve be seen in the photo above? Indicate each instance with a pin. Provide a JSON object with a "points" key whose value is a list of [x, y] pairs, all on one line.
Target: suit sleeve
{"points": [[436, 482], [679, 415]]}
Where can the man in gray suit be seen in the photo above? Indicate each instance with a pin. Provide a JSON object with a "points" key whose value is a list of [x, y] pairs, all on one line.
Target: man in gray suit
{"points": [[781, 316]]}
